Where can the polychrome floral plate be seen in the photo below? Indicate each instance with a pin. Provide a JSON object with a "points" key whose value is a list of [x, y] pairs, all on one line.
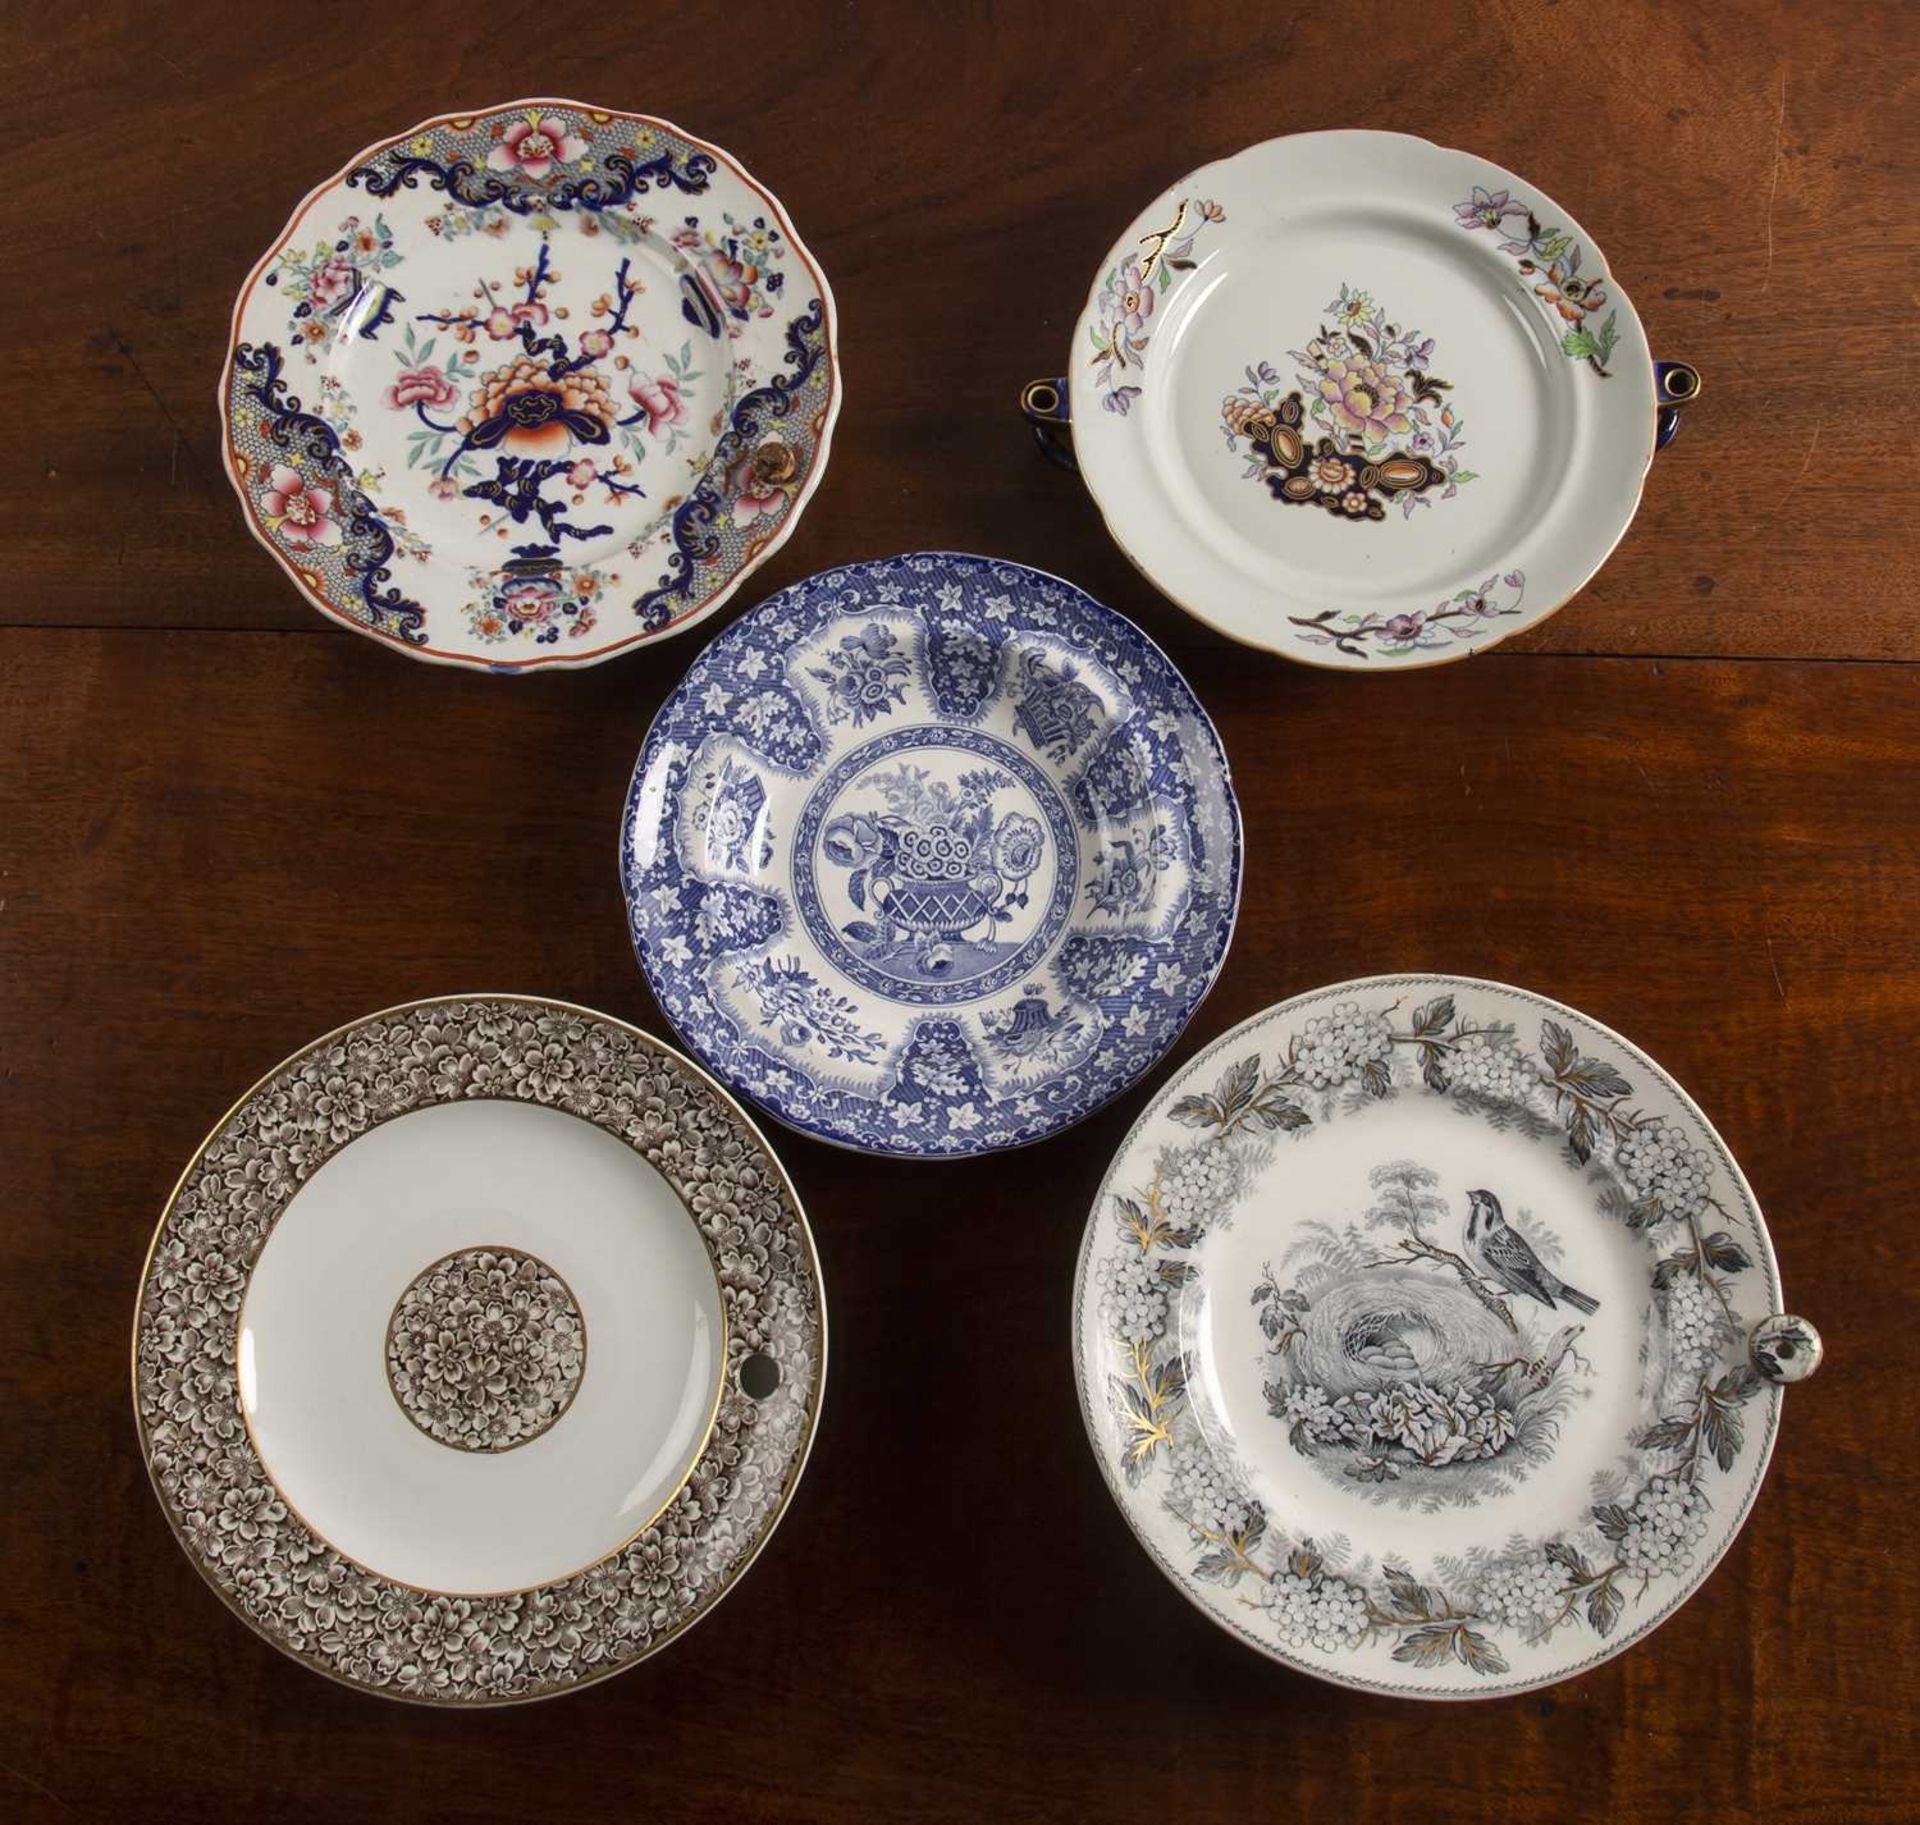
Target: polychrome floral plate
{"points": [[931, 856], [1362, 400], [530, 386], [479, 1350], [1428, 1337]]}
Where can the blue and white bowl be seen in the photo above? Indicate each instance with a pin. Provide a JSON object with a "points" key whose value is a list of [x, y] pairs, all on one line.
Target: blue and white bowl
{"points": [[931, 856]]}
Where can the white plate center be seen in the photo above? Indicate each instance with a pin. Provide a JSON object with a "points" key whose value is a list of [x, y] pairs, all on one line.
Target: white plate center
{"points": [[557, 1327]]}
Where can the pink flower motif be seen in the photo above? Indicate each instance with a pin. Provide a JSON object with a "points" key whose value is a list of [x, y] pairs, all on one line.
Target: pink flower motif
{"points": [[301, 513], [504, 320], [661, 399], [420, 386], [1365, 398], [528, 603], [1133, 297], [581, 474], [757, 498], [733, 279], [443, 488], [533, 147], [330, 283], [596, 343]]}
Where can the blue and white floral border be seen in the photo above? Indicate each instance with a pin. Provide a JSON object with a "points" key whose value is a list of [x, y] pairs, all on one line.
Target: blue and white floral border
{"points": [[1142, 1020]]}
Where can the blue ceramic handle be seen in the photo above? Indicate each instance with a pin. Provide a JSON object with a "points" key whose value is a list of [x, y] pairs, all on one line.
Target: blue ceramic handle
{"points": [[1043, 403], [1675, 384]]}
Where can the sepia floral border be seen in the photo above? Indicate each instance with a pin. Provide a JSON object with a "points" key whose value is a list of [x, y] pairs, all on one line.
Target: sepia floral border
{"points": [[301, 1594]]}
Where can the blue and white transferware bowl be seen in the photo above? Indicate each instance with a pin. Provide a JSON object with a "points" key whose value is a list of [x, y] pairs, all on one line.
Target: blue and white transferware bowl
{"points": [[1362, 400], [526, 387], [1429, 1337], [931, 856]]}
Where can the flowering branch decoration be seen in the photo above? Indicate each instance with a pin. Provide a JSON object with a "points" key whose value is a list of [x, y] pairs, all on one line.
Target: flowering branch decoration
{"points": [[1127, 298], [1551, 256], [1462, 616]]}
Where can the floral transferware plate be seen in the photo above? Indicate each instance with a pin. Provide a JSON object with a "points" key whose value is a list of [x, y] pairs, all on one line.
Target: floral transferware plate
{"points": [[1426, 1334], [530, 386], [1362, 400], [479, 1350], [931, 856]]}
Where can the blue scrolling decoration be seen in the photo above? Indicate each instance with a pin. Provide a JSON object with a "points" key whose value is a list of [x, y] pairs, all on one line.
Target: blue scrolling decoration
{"points": [[369, 544], [695, 538], [462, 180]]}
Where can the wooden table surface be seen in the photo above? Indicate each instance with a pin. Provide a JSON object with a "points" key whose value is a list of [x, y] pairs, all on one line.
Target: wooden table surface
{"points": [[1688, 805]]}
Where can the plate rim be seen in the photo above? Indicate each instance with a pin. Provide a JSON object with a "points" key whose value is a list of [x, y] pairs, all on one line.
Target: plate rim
{"points": [[557, 661], [1274, 1651], [1324, 659], [788, 1489], [1238, 853]]}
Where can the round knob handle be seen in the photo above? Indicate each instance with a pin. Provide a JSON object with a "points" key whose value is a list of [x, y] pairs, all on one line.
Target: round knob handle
{"points": [[1785, 1349]]}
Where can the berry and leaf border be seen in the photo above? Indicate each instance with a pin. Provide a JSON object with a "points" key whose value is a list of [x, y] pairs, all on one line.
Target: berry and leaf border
{"points": [[1598, 1573]]}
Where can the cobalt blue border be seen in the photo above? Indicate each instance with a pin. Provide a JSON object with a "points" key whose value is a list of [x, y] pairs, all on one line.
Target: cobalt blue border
{"points": [[1169, 725]]}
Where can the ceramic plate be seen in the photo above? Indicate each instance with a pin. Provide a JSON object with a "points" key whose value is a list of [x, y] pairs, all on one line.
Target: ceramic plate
{"points": [[931, 856], [1425, 1333], [530, 386], [478, 1351], [1362, 400]]}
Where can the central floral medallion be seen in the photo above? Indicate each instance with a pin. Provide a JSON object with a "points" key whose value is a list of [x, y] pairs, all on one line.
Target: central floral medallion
{"points": [[936, 865], [485, 1349], [1367, 423]]}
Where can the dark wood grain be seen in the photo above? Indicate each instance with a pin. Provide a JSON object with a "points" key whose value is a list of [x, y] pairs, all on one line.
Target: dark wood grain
{"points": [[960, 171], [226, 827], [224, 843]]}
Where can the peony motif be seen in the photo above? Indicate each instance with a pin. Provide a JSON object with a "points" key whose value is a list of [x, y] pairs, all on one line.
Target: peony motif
{"points": [[332, 282], [522, 408], [660, 399], [1366, 399], [532, 147], [299, 510], [425, 386]]}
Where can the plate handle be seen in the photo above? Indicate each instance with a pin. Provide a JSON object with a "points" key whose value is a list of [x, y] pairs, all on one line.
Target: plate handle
{"points": [[1043, 404], [1676, 384], [1784, 1349]]}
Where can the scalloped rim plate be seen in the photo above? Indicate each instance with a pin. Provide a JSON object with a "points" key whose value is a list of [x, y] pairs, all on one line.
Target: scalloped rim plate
{"points": [[526, 387]]}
